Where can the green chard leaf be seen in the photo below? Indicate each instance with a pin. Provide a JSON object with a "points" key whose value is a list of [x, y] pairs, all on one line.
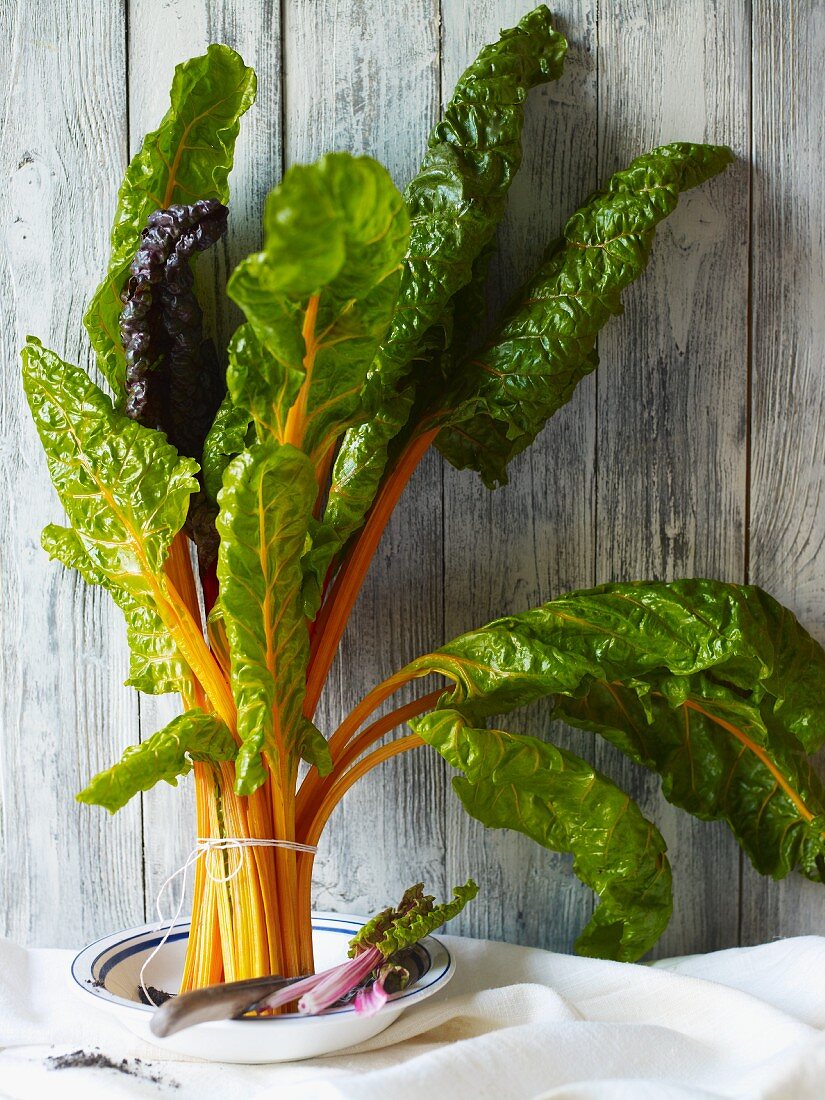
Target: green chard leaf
{"points": [[126, 493], [265, 507], [188, 157], [455, 203], [228, 436], [459, 194], [714, 686], [156, 666], [356, 475], [315, 748], [720, 757], [318, 300], [166, 755], [501, 398], [561, 802]]}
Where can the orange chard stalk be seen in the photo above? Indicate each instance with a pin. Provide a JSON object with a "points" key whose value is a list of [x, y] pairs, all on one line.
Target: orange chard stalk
{"points": [[335, 612]]}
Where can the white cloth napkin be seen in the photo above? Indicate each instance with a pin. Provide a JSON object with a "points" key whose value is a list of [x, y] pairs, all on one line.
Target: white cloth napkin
{"points": [[514, 1023]]}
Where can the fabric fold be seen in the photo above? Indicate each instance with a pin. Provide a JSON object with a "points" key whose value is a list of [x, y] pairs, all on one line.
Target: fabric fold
{"points": [[515, 1022]]}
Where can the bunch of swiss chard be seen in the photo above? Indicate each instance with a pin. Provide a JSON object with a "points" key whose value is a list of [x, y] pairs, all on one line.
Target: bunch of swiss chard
{"points": [[282, 457]]}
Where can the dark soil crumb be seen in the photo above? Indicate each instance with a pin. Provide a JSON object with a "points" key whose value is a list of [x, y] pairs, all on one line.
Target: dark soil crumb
{"points": [[132, 1067], [95, 983], [159, 996]]}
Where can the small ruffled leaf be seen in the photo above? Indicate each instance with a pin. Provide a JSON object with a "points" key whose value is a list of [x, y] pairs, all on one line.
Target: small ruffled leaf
{"points": [[315, 748], [356, 476], [166, 755], [227, 437], [415, 917]]}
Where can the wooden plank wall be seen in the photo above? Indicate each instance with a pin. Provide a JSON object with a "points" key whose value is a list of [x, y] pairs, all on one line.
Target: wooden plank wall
{"points": [[696, 449]]}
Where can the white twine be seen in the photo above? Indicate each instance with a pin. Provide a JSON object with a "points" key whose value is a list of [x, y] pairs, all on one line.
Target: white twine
{"points": [[202, 847]]}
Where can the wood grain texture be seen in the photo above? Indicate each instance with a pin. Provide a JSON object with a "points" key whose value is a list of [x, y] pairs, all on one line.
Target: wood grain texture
{"points": [[254, 31], [63, 654], [533, 538], [644, 474], [364, 77], [672, 387], [787, 517]]}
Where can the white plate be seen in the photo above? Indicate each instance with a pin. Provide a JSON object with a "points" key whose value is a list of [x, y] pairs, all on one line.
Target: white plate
{"points": [[109, 971]]}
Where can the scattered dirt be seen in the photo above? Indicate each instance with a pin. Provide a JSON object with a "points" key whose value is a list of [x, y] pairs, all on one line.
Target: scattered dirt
{"points": [[132, 1067], [159, 996]]}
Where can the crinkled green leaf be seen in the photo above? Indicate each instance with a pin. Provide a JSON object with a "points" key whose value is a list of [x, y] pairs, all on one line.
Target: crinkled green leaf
{"points": [[455, 202], [165, 755], [458, 196], [356, 475], [502, 397], [155, 663], [415, 917], [321, 547], [315, 748], [126, 493], [469, 312], [227, 437], [516, 782], [124, 488], [335, 233], [714, 686], [265, 506], [188, 157], [264, 384], [707, 749]]}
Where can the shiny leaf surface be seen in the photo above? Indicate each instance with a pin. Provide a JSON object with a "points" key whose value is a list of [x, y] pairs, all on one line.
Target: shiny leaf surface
{"points": [[455, 203], [165, 755], [156, 666], [126, 493], [265, 507], [318, 299], [516, 782], [227, 437], [458, 196], [356, 476], [714, 686]]}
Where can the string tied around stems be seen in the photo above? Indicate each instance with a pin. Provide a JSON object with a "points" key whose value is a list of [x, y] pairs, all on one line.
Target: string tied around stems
{"points": [[203, 846]]}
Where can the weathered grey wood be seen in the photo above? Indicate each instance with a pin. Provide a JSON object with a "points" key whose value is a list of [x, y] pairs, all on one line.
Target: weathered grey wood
{"points": [[787, 519], [672, 386], [67, 871], [254, 31], [364, 77], [530, 540]]}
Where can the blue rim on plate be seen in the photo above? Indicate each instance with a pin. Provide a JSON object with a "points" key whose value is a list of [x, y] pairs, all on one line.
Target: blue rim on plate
{"points": [[123, 945]]}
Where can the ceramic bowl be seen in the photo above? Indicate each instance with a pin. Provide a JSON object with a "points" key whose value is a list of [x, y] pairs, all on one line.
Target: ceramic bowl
{"points": [[108, 970]]}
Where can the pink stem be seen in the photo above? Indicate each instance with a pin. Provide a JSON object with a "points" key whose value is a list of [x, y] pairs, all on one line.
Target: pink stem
{"points": [[319, 991]]}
